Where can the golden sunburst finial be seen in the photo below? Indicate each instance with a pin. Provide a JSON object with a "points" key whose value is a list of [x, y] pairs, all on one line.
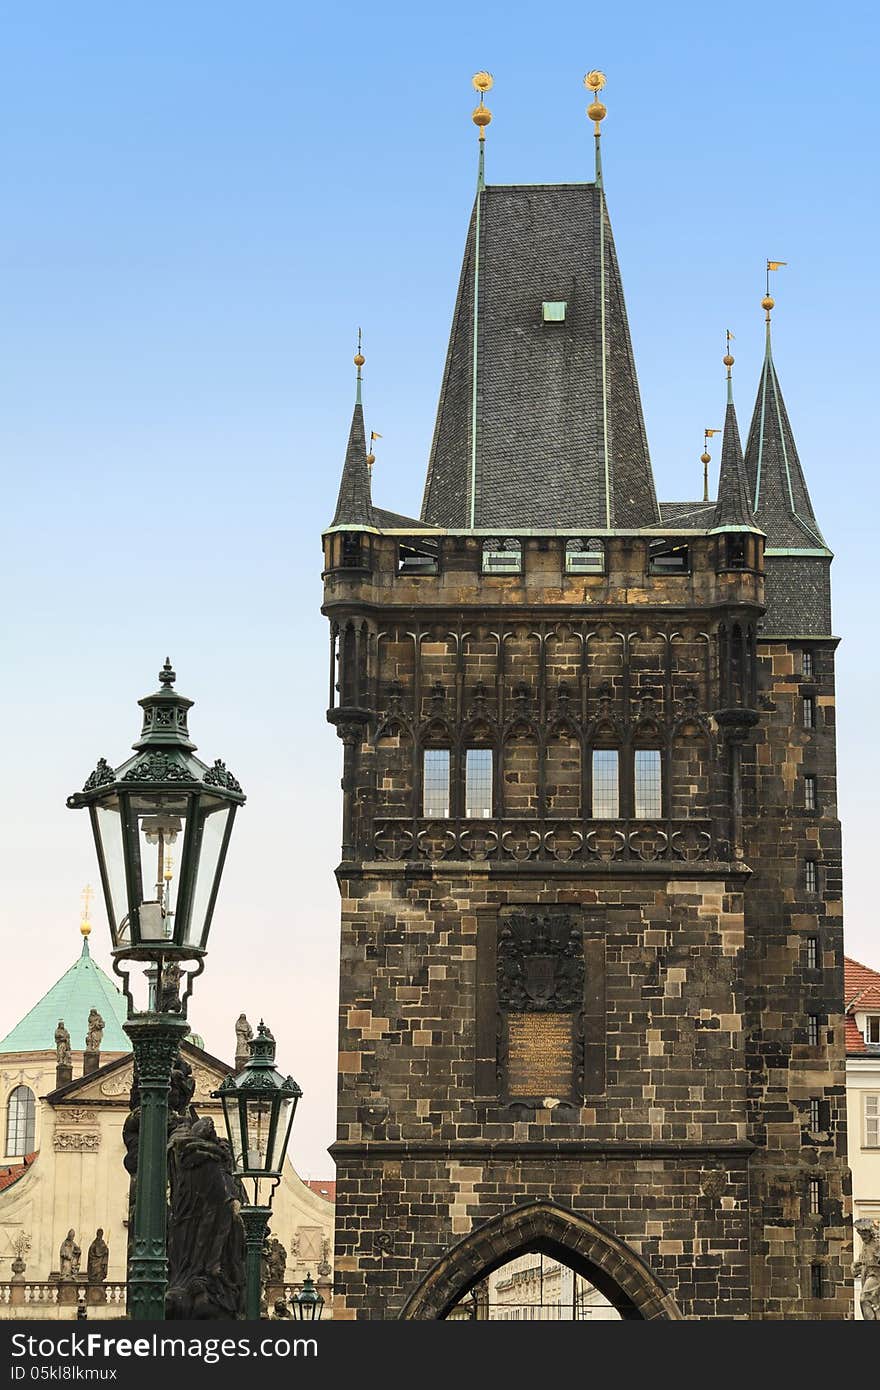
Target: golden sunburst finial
{"points": [[481, 116], [597, 111]]}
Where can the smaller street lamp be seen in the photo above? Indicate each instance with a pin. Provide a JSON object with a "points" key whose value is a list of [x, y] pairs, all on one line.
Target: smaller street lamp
{"points": [[308, 1305], [258, 1108]]}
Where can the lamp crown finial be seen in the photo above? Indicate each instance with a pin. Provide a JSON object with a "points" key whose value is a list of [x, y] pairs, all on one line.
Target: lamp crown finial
{"points": [[167, 676]]}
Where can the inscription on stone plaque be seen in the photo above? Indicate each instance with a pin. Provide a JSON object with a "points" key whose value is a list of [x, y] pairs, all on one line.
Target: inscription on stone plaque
{"points": [[540, 1054]]}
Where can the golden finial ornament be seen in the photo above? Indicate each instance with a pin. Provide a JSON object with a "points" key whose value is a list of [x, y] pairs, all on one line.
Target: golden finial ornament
{"points": [[481, 116], [705, 460], [86, 896], [768, 302], [728, 358], [359, 358], [597, 111]]}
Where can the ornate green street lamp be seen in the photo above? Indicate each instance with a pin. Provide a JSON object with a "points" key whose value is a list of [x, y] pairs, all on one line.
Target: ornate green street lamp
{"points": [[308, 1305], [161, 822], [258, 1106]]}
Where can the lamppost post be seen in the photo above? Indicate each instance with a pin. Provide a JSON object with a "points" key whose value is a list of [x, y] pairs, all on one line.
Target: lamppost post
{"points": [[256, 1228], [161, 823], [155, 1041]]}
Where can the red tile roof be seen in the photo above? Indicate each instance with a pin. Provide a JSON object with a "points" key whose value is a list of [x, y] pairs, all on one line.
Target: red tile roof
{"points": [[861, 986], [324, 1187], [10, 1175]]}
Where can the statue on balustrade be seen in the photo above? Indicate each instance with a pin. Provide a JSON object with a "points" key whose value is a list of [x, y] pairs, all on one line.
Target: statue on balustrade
{"points": [[69, 1256], [97, 1258]]}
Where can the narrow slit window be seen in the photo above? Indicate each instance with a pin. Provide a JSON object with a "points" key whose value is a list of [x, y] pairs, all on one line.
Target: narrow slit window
{"points": [[478, 783], [872, 1121], [807, 664], [810, 792], [648, 788], [812, 953], [809, 712], [435, 783], [606, 784], [815, 1115], [814, 1197], [813, 1030], [816, 1281], [811, 876]]}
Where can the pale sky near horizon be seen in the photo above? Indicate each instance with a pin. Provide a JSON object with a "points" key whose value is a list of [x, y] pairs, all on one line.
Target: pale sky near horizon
{"points": [[202, 203]]}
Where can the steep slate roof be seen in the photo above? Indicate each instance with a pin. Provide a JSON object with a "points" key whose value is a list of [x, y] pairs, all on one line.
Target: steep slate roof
{"points": [[83, 987], [733, 508], [690, 514], [560, 439], [354, 505], [780, 499], [861, 987]]}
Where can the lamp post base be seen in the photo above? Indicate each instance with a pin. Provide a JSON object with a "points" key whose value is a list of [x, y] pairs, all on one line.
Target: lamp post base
{"points": [[256, 1227], [155, 1039]]}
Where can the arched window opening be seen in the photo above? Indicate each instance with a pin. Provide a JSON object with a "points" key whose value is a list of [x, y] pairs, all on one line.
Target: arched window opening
{"points": [[647, 784], [502, 556], [478, 778], [534, 1287], [584, 556], [435, 783], [21, 1122], [606, 784]]}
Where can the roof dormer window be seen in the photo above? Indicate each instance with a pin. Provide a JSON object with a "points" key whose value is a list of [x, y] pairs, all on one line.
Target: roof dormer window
{"points": [[553, 310]]}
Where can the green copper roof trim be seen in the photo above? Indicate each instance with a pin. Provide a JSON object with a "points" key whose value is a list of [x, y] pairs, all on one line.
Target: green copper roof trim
{"points": [[822, 552], [755, 531], [603, 351], [83, 987], [475, 345]]}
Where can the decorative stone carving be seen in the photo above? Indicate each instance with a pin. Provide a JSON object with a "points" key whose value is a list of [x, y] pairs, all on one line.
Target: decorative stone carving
{"points": [[867, 1268], [116, 1086], [101, 777], [219, 776], [158, 767], [97, 1258], [373, 1112], [75, 1141], [540, 963], [69, 1256], [206, 1239], [276, 1261], [62, 1045], [325, 1269]]}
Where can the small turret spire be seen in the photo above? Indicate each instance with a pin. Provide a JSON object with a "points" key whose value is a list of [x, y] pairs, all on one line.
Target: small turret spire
{"points": [[733, 511], [483, 82], [597, 111], [354, 504], [85, 925], [705, 460]]}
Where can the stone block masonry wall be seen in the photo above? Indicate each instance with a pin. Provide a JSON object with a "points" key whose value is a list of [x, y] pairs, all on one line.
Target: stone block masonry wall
{"points": [[794, 933]]}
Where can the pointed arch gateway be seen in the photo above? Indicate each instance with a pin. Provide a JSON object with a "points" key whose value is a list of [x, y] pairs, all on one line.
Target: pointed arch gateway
{"points": [[608, 1263]]}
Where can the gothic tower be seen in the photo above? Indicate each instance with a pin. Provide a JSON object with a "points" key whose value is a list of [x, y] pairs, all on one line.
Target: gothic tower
{"points": [[591, 980]]}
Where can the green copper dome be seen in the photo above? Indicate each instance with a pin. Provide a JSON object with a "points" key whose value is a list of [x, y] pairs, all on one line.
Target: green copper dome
{"points": [[83, 987]]}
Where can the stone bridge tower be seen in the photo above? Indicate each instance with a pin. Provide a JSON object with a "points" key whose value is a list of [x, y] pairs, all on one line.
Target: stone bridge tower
{"points": [[591, 977]]}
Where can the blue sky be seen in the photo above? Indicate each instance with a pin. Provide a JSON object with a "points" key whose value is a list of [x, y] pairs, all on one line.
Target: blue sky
{"points": [[201, 204]]}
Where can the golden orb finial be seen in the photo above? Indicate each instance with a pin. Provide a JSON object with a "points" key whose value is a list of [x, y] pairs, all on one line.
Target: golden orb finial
{"points": [[705, 457], [371, 459], [768, 302], [727, 359], [85, 928], [359, 359], [597, 111], [481, 115]]}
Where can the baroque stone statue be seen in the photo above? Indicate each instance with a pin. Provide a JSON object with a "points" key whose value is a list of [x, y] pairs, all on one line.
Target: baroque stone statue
{"points": [[206, 1240], [97, 1258], [867, 1268], [243, 1034], [276, 1261], [69, 1256], [62, 1045], [95, 1031]]}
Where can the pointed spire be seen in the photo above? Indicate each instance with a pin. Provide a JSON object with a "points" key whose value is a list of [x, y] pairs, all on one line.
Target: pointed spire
{"points": [[354, 506], [597, 111], [733, 511], [777, 487]]}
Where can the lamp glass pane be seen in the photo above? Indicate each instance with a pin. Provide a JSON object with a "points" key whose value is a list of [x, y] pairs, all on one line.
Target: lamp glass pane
{"points": [[214, 816], [108, 821], [161, 823], [279, 1144], [259, 1127], [232, 1116]]}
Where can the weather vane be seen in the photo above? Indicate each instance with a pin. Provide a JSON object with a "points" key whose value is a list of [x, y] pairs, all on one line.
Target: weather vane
{"points": [[481, 116], [768, 301]]}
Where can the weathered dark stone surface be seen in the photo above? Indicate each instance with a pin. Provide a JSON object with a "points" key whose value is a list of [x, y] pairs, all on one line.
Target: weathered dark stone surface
{"points": [[206, 1242]]}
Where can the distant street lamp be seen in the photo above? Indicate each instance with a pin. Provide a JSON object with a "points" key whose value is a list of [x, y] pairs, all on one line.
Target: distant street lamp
{"points": [[308, 1305], [258, 1106], [161, 822]]}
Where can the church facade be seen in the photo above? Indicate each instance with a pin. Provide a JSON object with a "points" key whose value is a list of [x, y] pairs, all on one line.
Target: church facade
{"points": [[591, 981]]}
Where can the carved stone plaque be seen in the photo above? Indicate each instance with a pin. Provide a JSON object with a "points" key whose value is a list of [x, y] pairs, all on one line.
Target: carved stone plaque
{"points": [[540, 1054]]}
